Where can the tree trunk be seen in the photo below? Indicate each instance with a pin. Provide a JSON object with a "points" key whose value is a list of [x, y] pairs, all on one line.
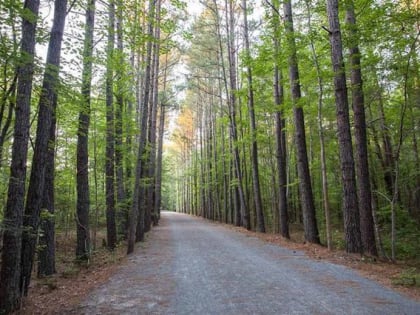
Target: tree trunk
{"points": [[244, 210], [83, 200], [153, 120], [305, 186], [375, 204], [111, 231], [324, 175], [281, 154], [362, 166], [253, 130], [136, 223], [350, 204], [121, 205], [135, 91], [10, 273], [159, 154], [144, 222], [224, 78], [415, 121], [46, 251], [46, 107], [158, 194], [227, 204], [95, 184]]}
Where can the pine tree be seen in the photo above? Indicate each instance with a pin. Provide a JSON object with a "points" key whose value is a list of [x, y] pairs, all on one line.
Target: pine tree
{"points": [[83, 199], [10, 273]]}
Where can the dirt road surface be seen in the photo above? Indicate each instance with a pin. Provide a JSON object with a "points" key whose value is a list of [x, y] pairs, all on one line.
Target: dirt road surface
{"points": [[191, 266]]}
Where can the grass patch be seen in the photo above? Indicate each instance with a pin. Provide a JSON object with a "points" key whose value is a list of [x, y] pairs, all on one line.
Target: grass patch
{"points": [[408, 278]]}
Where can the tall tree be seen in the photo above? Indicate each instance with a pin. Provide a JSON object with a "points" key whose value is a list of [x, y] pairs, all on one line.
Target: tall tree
{"points": [[136, 224], [239, 193], [280, 122], [223, 84], [254, 147], [321, 131], [305, 186], [152, 124], [223, 87], [349, 203], [47, 102], [110, 133], [83, 199], [121, 208], [362, 165], [10, 272]]}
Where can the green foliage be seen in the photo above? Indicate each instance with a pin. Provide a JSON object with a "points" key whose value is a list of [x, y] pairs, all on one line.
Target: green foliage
{"points": [[407, 245], [46, 215], [409, 277], [179, 4], [169, 191]]}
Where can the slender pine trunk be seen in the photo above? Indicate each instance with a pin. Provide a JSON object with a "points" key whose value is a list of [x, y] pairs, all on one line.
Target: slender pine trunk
{"points": [[10, 273], [47, 101], [253, 130], [305, 185], [350, 203], [362, 165], [136, 221], [110, 134], [121, 202], [83, 198]]}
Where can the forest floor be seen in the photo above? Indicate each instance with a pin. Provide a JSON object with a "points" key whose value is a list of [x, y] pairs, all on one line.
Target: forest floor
{"points": [[72, 283]]}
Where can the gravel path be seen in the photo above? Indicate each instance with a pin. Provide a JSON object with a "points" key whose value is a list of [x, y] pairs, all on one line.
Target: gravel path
{"points": [[192, 266]]}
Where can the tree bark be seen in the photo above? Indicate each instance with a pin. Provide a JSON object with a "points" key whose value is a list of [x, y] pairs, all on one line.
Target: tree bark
{"points": [[136, 222], [253, 129], [281, 151], [224, 78], [281, 156], [244, 210], [10, 273], [83, 200], [349, 203], [158, 195], [121, 205], [47, 103], [305, 186], [321, 134], [362, 165], [152, 217], [46, 252], [110, 134]]}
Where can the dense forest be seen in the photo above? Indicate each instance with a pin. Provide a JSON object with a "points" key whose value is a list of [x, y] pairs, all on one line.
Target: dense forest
{"points": [[277, 116]]}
